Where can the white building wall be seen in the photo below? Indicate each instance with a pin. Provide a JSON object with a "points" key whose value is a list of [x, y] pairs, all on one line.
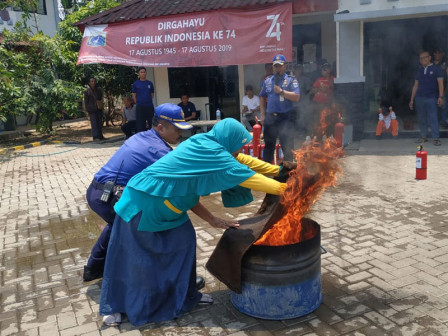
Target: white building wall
{"points": [[250, 75], [328, 32], [352, 14], [253, 74], [350, 58], [329, 39], [350, 19], [372, 5], [381, 10], [47, 23]]}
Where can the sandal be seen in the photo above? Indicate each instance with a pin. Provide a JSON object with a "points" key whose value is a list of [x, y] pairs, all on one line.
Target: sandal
{"points": [[421, 140], [437, 142], [112, 320], [206, 299]]}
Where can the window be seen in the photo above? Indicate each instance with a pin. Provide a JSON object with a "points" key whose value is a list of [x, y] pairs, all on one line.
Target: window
{"points": [[192, 81], [41, 7]]}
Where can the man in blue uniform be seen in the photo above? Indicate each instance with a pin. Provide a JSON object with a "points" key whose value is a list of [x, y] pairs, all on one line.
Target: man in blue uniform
{"points": [[280, 91], [137, 153], [428, 94], [143, 93], [188, 107]]}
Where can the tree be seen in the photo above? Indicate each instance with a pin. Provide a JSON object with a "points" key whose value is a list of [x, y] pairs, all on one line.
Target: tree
{"points": [[115, 80], [38, 74], [9, 90], [38, 82], [28, 8]]}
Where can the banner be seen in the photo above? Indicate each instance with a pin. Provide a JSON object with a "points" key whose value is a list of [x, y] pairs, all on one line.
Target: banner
{"points": [[218, 38]]}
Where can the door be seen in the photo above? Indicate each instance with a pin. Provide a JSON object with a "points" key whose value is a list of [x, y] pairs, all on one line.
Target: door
{"points": [[224, 92]]}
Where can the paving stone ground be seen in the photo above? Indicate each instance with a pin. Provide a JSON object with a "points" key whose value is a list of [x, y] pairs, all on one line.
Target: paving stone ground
{"points": [[76, 130], [385, 273]]}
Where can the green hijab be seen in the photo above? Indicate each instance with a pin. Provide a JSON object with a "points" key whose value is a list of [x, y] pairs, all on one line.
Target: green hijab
{"points": [[201, 165]]}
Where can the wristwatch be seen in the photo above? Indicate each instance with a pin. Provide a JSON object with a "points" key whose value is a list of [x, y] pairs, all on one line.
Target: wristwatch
{"points": [[282, 92]]}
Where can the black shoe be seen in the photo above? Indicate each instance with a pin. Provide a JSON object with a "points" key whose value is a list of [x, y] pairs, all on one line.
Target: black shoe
{"points": [[92, 274], [200, 282], [378, 137]]}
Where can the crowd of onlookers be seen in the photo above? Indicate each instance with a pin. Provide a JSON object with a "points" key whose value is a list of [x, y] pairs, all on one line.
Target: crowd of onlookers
{"points": [[138, 107], [428, 99], [316, 92]]}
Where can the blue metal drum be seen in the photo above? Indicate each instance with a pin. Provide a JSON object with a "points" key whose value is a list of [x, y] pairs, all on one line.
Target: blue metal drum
{"points": [[282, 282]]}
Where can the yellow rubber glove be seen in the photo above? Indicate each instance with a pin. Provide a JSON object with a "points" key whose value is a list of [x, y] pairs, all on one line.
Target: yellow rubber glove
{"points": [[264, 184], [257, 165]]}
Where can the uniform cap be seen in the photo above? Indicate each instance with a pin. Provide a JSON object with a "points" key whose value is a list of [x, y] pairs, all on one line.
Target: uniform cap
{"points": [[173, 114], [279, 59]]}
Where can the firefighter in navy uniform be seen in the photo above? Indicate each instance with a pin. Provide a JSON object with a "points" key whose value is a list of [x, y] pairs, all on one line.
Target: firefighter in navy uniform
{"points": [[280, 91]]}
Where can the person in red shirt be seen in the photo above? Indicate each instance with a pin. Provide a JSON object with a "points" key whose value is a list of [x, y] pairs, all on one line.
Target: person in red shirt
{"points": [[322, 93], [323, 86]]}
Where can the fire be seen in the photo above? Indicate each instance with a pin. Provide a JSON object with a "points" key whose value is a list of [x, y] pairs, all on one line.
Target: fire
{"points": [[317, 169], [329, 116], [324, 122]]}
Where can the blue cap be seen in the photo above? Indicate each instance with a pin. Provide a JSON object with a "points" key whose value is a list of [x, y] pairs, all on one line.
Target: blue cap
{"points": [[173, 114], [279, 59]]}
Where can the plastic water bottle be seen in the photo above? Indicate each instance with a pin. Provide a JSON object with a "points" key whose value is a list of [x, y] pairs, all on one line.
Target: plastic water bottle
{"points": [[218, 114]]}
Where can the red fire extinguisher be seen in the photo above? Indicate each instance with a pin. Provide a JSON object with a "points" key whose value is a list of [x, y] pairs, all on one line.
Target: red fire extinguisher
{"points": [[279, 151], [261, 151], [256, 133], [246, 149], [420, 163], [251, 150], [339, 133]]}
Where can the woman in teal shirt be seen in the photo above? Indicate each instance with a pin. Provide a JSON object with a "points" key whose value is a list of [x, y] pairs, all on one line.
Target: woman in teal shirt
{"points": [[150, 271]]}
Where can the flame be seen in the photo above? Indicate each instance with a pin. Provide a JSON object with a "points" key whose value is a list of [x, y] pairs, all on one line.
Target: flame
{"points": [[329, 116], [323, 125], [317, 169]]}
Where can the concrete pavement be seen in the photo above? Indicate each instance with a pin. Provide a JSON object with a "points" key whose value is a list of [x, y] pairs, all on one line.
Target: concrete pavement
{"points": [[385, 273]]}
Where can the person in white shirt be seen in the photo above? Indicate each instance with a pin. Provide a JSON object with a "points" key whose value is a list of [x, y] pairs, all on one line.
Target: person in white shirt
{"points": [[251, 108], [387, 121], [129, 117]]}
